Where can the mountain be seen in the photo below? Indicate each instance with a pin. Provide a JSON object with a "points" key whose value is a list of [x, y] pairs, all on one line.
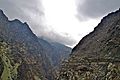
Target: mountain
{"points": [[61, 52], [55, 51], [22, 57], [97, 55], [33, 58]]}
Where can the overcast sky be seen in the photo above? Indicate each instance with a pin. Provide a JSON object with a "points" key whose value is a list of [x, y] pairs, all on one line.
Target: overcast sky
{"points": [[64, 21]]}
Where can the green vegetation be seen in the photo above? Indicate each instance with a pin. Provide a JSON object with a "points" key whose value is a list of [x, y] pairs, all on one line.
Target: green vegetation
{"points": [[6, 75], [10, 71], [36, 78]]}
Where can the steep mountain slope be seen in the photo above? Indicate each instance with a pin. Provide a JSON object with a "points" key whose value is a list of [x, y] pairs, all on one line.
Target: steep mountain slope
{"points": [[55, 51], [97, 55], [61, 52], [25, 56]]}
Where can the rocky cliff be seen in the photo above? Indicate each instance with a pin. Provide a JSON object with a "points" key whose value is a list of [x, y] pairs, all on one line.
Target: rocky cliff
{"points": [[97, 55]]}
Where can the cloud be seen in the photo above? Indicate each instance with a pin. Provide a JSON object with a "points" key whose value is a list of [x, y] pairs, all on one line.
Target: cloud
{"points": [[53, 36], [15, 8], [96, 8], [32, 12]]}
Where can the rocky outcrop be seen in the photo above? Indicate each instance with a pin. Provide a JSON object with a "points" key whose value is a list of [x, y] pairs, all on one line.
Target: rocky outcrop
{"points": [[97, 55]]}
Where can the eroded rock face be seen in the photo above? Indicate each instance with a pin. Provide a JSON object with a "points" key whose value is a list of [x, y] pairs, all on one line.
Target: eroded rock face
{"points": [[97, 55], [26, 57]]}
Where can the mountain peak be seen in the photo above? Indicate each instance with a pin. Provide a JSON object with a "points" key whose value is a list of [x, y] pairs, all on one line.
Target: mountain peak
{"points": [[25, 52], [3, 16], [105, 24]]}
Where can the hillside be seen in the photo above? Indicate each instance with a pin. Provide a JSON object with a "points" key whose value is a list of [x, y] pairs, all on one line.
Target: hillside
{"points": [[27, 56], [97, 55], [22, 57]]}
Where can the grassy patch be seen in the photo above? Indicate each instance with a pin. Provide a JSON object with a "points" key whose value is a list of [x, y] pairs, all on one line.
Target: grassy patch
{"points": [[10, 71]]}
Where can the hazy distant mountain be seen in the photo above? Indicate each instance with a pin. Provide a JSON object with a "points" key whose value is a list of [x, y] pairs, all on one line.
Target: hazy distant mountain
{"points": [[97, 55], [61, 52], [55, 51]]}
